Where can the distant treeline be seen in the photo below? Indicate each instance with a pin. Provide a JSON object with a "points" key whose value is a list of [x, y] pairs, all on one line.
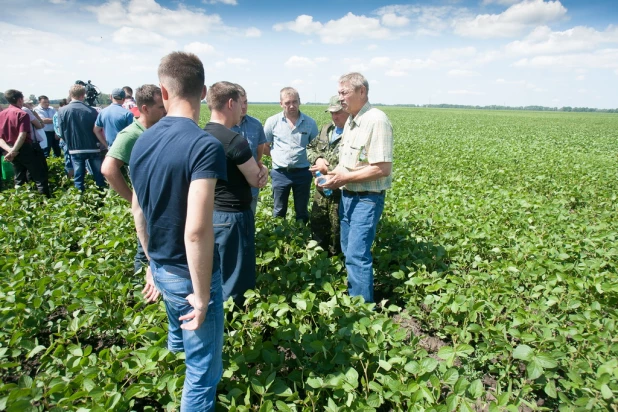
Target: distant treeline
{"points": [[497, 107]]}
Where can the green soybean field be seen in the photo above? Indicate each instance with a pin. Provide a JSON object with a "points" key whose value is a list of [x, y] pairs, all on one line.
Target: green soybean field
{"points": [[495, 280]]}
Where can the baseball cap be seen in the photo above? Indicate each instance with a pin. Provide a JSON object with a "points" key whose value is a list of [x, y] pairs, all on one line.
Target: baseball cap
{"points": [[118, 93], [334, 105]]}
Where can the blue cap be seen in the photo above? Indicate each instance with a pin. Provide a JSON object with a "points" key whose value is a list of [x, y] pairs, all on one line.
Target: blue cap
{"points": [[118, 94]]}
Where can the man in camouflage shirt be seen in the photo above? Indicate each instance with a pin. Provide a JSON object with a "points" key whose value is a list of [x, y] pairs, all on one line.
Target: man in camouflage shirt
{"points": [[323, 153]]}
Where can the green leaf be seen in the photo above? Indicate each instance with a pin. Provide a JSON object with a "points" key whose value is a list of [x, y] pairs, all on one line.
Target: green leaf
{"points": [[476, 389], [534, 370], [523, 352], [606, 392], [550, 389]]}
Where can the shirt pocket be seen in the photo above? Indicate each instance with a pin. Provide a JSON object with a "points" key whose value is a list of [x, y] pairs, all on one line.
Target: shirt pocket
{"points": [[357, 155]]}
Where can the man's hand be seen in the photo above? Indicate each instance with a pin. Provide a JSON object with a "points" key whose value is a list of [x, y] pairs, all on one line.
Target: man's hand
{"points": [[11, 155], [263, 175], [334, 180], [197, 316], [150, 292], [321, 165]]}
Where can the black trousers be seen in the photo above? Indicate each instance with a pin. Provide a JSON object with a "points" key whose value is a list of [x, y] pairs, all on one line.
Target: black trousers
{"points": [[52, 144], [31, 160]]}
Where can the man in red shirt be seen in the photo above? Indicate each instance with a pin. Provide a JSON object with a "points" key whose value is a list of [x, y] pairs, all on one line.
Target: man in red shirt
{"points": [[16, 141]]}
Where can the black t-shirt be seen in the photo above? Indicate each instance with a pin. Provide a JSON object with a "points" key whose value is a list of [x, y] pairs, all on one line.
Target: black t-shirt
{"points": [[233, 195], [165, 160]]}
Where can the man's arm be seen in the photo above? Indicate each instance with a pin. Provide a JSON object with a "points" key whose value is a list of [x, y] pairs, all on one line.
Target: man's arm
{"points": [[98, 131], [256, 174], [150, 292], [111, 169], [199, 244], [340, 176]]}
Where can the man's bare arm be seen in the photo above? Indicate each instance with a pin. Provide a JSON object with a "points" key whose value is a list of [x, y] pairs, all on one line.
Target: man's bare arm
{"points": [[150, 292], [111, 169], [98, 131], [340, 176], [199, 244], [256, 174]]}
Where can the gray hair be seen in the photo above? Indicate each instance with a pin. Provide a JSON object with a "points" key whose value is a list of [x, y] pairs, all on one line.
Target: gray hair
{"points": [[355, 80], [288, 91]]}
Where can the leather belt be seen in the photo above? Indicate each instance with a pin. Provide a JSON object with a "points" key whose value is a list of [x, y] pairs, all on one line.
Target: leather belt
{"points": [[292, 169]]}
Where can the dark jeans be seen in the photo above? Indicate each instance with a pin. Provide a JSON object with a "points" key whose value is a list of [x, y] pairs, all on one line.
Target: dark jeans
{"points": [[31, 162], [235, 243], [52, 144], [297, 180]]}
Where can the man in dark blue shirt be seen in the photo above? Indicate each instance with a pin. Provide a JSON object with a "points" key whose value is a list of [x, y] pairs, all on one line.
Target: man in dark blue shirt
{"points": [[174, 169], [233, 220]]}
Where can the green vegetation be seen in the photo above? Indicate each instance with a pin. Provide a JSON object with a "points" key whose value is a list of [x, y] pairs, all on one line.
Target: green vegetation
{"points": [[496, 286]]}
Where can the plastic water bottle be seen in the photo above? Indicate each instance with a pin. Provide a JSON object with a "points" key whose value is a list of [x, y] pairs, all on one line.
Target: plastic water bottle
{"points": [[322, 180]]}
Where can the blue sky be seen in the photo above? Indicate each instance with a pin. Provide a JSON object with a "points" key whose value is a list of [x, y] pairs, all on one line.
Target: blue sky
{"points": [[532, 52]]}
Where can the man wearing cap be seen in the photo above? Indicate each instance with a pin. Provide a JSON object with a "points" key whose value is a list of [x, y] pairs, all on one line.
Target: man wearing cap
{"points": [[323, 153], [113, 118], [288, 133], [364, 173]]}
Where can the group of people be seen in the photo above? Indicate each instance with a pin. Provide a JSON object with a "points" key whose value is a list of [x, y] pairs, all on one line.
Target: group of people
{"points": [[195, 190]]}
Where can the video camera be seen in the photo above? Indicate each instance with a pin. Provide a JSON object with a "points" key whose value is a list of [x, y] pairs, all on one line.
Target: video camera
{"points": [[92, 93]]}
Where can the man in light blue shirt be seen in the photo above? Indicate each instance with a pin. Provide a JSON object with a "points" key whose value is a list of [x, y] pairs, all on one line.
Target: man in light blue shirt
{"points": [[113, 118], [288, 133], [252, 130]]}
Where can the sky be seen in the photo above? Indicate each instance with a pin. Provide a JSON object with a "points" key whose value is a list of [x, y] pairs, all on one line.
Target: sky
{"points": [[483, 52]]}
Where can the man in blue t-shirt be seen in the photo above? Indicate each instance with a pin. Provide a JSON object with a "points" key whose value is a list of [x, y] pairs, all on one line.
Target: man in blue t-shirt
{"points": [[252, 130], [113, 118], [233, 218], [174, 168]]}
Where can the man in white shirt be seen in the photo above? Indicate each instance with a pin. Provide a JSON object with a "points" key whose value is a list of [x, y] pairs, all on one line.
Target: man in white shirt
{"points": [[46, 113]]}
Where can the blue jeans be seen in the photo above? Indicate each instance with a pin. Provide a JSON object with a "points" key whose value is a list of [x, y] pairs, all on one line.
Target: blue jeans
{"points": [[79, 167], [235, 243], [359, 216], [297, 180], [203, 347]]}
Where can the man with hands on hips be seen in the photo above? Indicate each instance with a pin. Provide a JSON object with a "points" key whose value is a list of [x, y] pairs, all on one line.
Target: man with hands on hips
{"points": [[364, 175]]}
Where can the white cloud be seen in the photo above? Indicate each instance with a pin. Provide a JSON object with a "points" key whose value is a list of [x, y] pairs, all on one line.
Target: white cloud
{"points": [[297, 82], [580, 77], [253, 32], [599, 59], [428, 20], [501, 2], [150, 15], [133, 36], [542, 40], [57, 1], [228, 2], [462, 73], [199, 48], [372, 47], [237, 61], [380, 61], [299, 62], [349, 27], [396, 73], [465, 92], [513, 21], [393, 20], [321, 59]]}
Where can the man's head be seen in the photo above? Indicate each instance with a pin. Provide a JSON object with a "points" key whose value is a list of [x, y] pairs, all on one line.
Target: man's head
{"points": [[14, 97], [244, 103], [28, 103], [128, 91], [225, 98], [289, 101], [44, 101], [182, 77], [118, 95], [63, 102], [353, 92], [150, 103], [337, 114], [77, 92]]}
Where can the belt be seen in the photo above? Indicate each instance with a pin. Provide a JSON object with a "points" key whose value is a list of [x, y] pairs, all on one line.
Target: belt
{"points": [[291, 169], [364, 193]]}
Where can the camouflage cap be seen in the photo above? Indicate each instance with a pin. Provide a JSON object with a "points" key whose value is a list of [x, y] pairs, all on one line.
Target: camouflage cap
{"points": [[334, 105]]}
